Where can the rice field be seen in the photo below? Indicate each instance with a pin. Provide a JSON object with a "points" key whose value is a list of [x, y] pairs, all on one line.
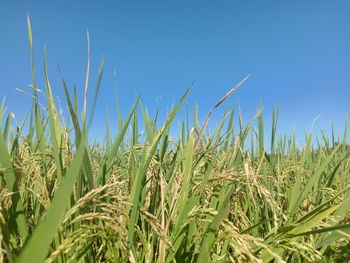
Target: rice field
{"points": [[145, 196]]}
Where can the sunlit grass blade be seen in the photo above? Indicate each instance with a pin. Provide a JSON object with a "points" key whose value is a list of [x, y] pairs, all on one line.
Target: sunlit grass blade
{"points": [[17, 217], [89, 177], [97, 90], [210, 234], [86, 80], [36, 248], [7, 127], [55, 127], [313, 180], [204, 126], [140, 176], [111, 154]]}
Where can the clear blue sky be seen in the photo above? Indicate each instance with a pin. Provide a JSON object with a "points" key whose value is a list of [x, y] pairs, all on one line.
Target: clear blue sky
{"points": [[297, 51]]}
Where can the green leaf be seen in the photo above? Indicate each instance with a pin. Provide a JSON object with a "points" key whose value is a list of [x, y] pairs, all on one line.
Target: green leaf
{"points": [[17, 211], [36, 249]]}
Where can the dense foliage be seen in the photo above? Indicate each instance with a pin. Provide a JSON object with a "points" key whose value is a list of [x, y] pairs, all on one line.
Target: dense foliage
{"points": [[147, 197]]}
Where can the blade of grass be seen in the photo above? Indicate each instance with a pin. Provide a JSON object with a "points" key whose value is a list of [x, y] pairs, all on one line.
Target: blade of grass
{"points": [[18, 218], [201, 132], [55, 127], [140, 177], [86, 79], [37, 247]]}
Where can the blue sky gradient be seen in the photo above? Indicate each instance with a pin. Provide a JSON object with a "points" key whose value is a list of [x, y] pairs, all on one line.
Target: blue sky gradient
{"points": [[297, 52]]}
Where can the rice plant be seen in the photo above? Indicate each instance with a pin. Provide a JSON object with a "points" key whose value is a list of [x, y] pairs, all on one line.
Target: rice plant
{"points": [[144, 196]]}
